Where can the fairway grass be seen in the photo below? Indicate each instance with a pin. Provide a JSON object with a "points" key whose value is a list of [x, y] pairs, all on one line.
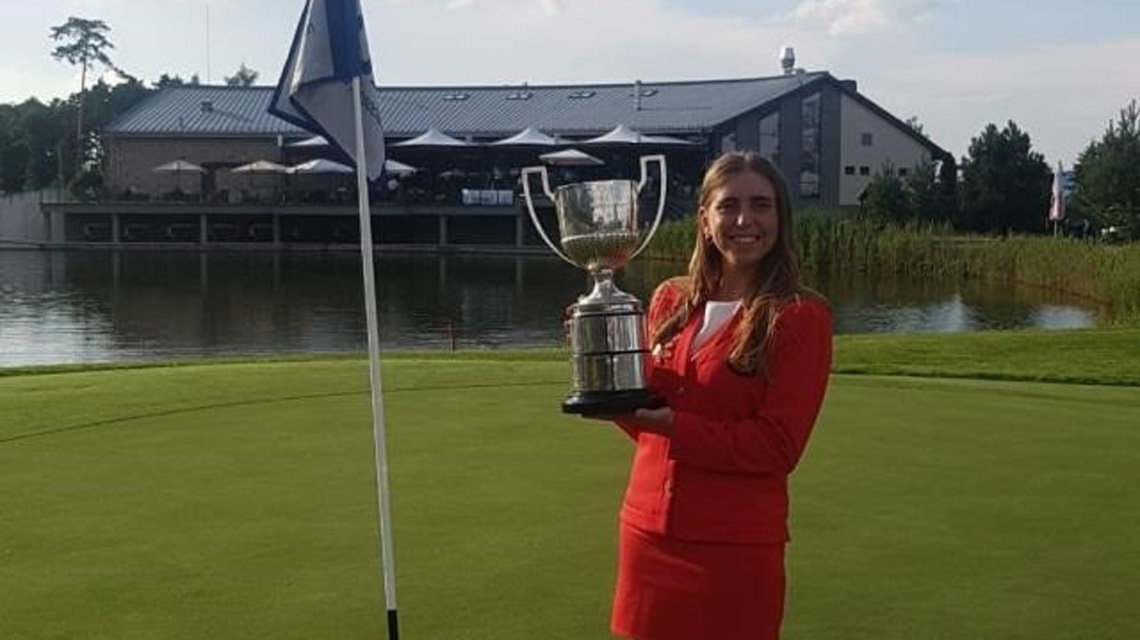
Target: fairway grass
{"points": [[238, 501]]}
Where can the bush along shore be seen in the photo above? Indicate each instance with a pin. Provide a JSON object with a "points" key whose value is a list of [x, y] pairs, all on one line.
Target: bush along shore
{"points": [[1107, 274]]}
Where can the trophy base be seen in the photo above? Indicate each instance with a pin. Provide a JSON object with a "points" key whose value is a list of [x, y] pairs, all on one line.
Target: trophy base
{"points": [[610, 403]]}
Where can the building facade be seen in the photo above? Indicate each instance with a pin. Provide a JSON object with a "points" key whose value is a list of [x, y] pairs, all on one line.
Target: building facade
{"points": [[828, 139]]}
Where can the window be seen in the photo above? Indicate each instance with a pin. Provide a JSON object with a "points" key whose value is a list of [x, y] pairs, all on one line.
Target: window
{"points": [[811, 138], [770, 137], [849, 170], [728, 143], [868, 140], [864, 170], [582, 95]]}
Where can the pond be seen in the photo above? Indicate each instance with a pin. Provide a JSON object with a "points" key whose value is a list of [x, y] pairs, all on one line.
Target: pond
{"points": [[90, 306]]}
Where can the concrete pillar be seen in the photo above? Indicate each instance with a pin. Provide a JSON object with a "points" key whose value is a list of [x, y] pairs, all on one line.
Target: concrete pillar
{"points": [[442, 229], [116, 235], [520, 230], [57, 229], [276, 230], [203, 229]]}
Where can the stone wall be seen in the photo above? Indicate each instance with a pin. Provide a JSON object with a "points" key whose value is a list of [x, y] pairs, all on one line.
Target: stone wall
{"points": [[131, 163], [22, 223]]}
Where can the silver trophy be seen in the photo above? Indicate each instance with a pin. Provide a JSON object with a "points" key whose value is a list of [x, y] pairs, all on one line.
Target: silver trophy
{"points": [[600, 232]]}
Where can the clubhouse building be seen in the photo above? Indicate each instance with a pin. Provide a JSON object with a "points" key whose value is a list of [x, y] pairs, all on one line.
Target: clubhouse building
{"points": [[170, 162]]}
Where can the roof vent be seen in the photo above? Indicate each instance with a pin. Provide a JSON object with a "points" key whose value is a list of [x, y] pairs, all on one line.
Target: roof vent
{"points": [[207, 106], [788, 60]]}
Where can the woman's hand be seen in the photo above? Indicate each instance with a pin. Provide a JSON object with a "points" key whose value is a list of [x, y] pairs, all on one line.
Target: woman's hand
{"points": [[655, 420], [652, 420]]}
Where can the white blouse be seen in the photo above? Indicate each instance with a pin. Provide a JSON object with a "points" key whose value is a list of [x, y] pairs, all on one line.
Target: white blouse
{"points": [[717, 314]]}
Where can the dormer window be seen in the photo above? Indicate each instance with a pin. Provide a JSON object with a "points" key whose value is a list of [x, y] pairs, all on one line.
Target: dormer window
{"points": [[520, 95]]}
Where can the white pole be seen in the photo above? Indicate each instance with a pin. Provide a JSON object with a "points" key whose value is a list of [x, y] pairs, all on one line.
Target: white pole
{"points": [[379, 435]]}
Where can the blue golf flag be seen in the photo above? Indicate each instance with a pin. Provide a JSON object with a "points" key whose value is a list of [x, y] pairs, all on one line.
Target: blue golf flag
{"points": [[329, 51]]}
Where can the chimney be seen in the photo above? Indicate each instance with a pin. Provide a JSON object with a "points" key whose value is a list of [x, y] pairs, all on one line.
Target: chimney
{"points": [[637, 95], [788, 60]]}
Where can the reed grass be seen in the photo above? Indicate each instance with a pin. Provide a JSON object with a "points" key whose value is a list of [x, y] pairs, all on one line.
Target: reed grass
{"points": [[836, 245]]}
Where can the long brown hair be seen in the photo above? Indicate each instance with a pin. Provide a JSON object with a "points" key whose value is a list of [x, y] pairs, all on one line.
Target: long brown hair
{"points": [[777, 277]]}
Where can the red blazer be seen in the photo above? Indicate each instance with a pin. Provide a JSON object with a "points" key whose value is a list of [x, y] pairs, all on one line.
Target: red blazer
{"points": [[723, 474]]}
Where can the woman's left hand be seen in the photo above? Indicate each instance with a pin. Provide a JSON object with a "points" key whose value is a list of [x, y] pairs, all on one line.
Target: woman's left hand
{"points": [[655, 420], [651, 420]]}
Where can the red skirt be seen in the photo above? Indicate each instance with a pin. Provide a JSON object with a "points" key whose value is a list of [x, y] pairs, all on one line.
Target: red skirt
{"points": [[677, 590]]}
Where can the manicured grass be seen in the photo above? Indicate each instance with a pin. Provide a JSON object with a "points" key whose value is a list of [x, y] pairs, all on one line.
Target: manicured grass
{"points": [[237, 501], [1104, 356]]}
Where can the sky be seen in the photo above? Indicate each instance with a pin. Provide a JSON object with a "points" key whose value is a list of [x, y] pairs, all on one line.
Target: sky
{"points": [[1061, 70]]}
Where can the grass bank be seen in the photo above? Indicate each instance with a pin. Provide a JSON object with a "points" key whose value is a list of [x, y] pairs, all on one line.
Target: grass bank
{"points": [[1105, 273], [237, 500], [1099, 356]]}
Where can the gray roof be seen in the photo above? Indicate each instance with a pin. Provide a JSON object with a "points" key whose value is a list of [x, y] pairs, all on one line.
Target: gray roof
{"points": [[478, 111]]}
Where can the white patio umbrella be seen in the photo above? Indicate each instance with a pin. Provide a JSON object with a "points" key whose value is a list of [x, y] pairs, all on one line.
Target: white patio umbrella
{"points": [[529, 137], [397, 168], [261, 167], [433, 138], [666, 140], [315, 141], [620, 134], [318, 166], [570, 158], [178, 167]]}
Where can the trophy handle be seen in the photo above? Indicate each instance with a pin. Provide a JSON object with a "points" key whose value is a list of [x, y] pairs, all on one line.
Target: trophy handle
{"points": [[527, 172], [645, 160]]}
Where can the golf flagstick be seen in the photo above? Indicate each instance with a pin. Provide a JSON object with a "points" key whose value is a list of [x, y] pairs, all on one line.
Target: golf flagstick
{"points": [[379, 434]]}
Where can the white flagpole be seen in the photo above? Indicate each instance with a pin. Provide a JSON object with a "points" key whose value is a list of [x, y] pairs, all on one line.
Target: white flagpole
{"points": [[379, 434]]}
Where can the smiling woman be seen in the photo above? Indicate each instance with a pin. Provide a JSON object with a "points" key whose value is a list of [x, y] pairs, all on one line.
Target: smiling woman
{"points": [[741, 355]]}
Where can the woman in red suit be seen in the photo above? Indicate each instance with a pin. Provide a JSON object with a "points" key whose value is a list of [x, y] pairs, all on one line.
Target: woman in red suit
{"points": [[741, 353]]}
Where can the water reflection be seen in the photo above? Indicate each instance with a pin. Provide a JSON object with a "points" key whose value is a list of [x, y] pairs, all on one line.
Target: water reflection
{"points": [[93, 306]]}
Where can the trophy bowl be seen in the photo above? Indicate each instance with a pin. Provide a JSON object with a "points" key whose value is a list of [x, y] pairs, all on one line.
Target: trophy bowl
{"points": [[600, 231]]}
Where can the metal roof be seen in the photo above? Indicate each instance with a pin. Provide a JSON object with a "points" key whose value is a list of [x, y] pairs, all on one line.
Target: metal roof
{"points": [[477, 111]]}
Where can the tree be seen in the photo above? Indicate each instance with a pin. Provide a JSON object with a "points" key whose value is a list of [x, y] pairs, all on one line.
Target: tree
{"points": [[13, 150], [84, 43], [243, 77], [924, 194], [44, 130], [1005, 184], [913, 123], [167, 80], [885, 197], [1108, 175]]}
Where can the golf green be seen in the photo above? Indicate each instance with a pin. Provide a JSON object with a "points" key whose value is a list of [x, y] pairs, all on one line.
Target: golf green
{"points": [[238, 501]]}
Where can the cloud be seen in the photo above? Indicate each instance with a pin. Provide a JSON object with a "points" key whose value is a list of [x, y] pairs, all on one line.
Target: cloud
{"points": [[1064, 95], [856, 17], [554, 41]]}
